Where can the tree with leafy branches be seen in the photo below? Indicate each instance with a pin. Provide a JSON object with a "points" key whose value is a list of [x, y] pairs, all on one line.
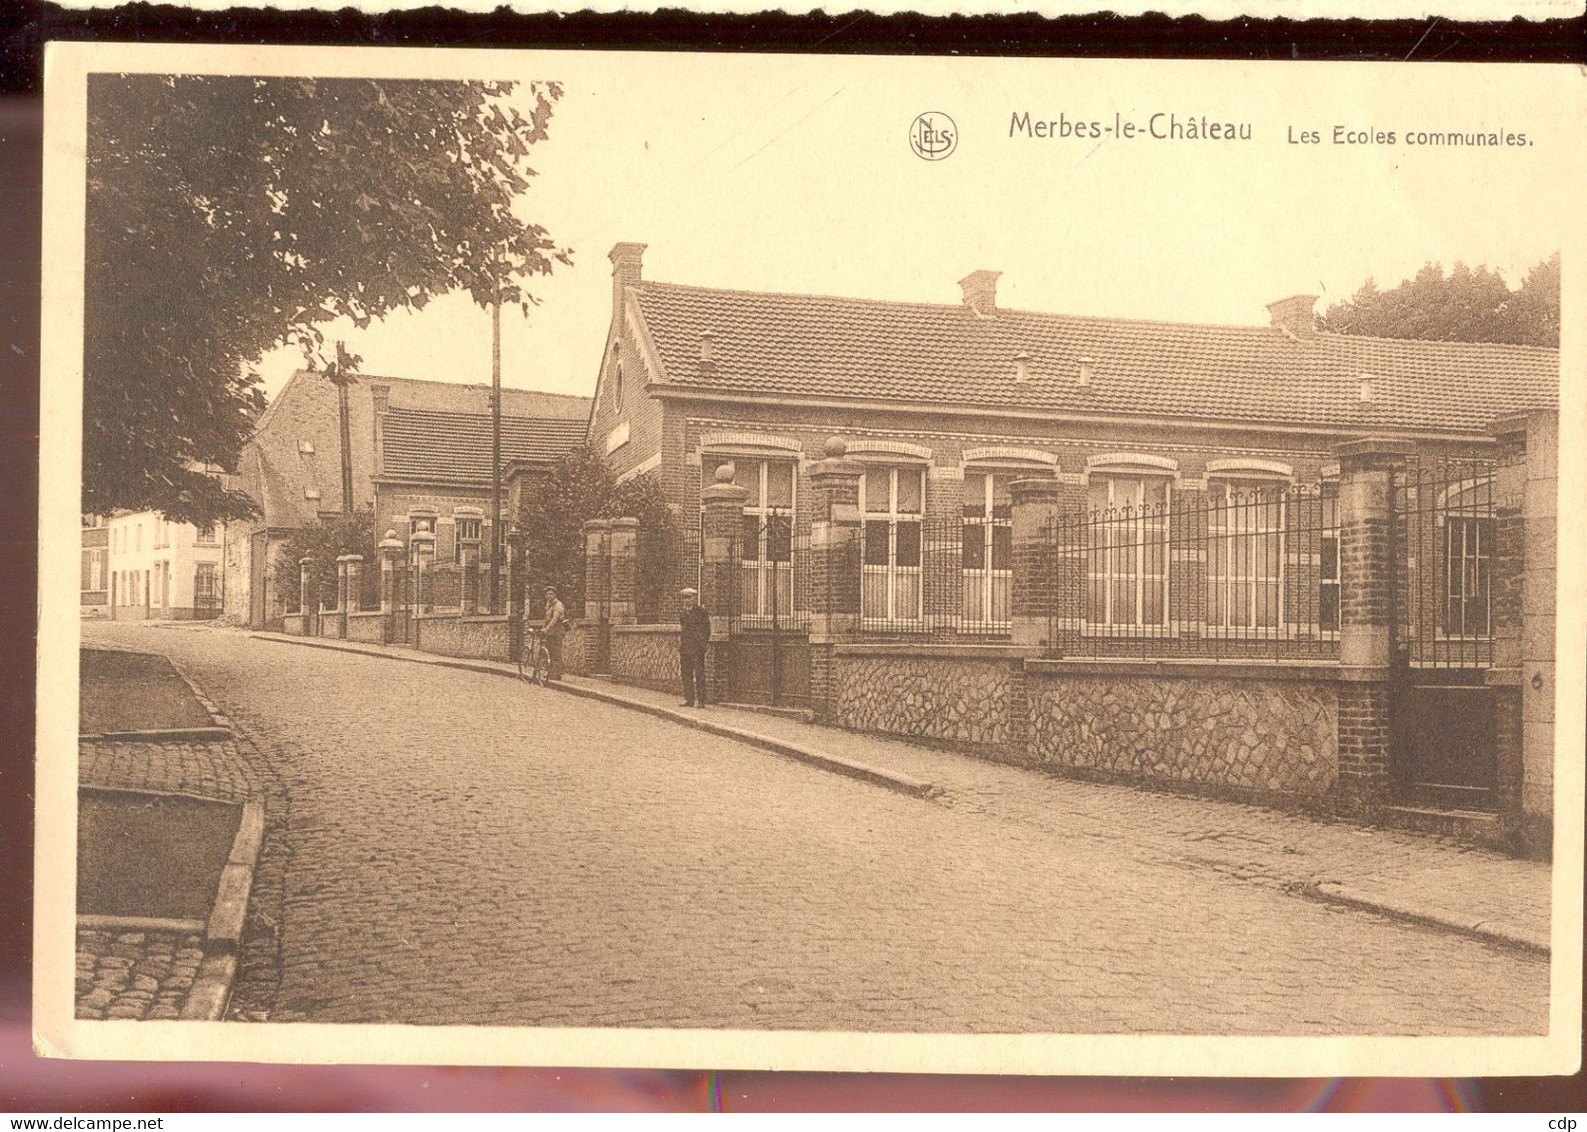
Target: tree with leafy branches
{"points": [[1463, 306], [551, 521], [325, 543], [230, 215]]}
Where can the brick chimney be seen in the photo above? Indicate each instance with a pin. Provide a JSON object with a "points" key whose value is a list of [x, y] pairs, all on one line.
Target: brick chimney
{"points": [[1295, 315], [380, 398], [626, 264], [980, 292]]}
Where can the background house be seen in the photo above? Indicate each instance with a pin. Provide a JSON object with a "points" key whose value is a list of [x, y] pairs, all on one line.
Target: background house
{"points": [[291, 466], [95, 601], [157, 569]]}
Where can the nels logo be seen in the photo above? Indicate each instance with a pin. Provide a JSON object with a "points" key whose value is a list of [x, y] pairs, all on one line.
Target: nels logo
{"points": [[933, 136]]}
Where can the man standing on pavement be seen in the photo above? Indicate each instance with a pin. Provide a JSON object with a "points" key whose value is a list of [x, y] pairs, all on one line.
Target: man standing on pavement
{"points": [[695, 624], [554, 628]]}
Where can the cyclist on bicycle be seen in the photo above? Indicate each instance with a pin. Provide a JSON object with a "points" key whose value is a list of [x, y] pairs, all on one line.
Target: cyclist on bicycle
{"points": [[554, 627]]}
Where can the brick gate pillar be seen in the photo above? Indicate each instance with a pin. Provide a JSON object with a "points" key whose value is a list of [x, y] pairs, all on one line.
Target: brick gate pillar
{"points": [[721, 529], [468, 578], [597, 593], [390, 555], [1367, 580], [339, 612], [308, 595], [422, 544], [1035, 514], [355, 582], [391, 551], [1522, 609], [623, 571], [1507, 567], [835, 537]]}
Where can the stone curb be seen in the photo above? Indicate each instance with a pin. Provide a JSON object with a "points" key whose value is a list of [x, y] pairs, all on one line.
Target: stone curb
{"points": [[211, 989], [877, 776], [1494, 931], [206, 1001], [158, 735]]}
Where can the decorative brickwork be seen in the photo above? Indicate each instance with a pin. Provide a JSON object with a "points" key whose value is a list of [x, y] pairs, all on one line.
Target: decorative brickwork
{"points": [[1257, 736]]}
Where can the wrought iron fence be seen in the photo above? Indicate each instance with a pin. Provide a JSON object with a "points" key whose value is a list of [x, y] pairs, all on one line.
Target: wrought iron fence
{"points": [[1445, 540], [771, 588], [1242, 570], [937, 578]]}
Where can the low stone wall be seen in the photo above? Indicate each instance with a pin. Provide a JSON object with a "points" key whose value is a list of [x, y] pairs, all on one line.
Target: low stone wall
{"points": [[476, 638], [292, 625], [960, 696], [332, 624], [1254, 729], [575, 645], [646, 655], [484, 638], [367, 627]]}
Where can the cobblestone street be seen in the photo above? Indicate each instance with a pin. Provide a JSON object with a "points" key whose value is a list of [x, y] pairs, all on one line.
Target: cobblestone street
{"points": [[460, 848]]}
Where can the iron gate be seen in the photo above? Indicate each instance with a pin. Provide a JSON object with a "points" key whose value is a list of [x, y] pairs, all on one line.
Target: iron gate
{"points": [[1443, 538], [768, 617]]}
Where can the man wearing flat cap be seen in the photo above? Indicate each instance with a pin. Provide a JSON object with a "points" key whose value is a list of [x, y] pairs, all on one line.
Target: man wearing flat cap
{"points": [[555, 628], [695, 624]]}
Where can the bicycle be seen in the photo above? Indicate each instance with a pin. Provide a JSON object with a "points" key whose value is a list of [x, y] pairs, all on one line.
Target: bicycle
{"points": [[534, 659]]}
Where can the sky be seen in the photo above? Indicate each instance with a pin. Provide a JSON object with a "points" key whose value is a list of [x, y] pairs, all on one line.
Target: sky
{"points": [[785, 173]]}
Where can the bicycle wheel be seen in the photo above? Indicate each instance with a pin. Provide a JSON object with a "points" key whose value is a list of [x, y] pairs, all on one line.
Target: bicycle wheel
{"points": [[542, 666]]}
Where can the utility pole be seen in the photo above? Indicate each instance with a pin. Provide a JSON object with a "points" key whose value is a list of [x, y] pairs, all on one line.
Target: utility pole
{"points": [[342, 375], [495, 450]]}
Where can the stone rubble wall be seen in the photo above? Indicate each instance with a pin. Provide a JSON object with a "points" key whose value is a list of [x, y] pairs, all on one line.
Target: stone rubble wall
{"points": [[478, 638], [926, 697], [647, 656], [367, 627], [1269, 736]]}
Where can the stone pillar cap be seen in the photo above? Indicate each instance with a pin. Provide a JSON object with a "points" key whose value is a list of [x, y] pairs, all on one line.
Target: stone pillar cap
{"points": [[390, 543], [836, 466], [1382, 447], [1035, 485], [597, 525], [305, 560], [627, 523], [724, 493]]}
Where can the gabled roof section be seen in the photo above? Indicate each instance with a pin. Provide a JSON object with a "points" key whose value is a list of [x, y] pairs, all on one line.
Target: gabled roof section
{"points": [[835, 349], [444, 447], [292, 464]]}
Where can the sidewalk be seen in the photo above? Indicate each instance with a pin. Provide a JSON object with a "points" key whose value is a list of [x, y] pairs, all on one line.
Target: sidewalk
{"points": [[148, 730], [1410, 876]]}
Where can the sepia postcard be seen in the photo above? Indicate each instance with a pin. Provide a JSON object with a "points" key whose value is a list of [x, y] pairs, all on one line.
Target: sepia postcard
{"points": [[780, 561]]}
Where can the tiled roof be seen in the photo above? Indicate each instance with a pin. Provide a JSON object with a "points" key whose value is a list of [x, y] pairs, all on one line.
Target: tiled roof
{"points": [[833, 348], [455, 447], [292, 464]]}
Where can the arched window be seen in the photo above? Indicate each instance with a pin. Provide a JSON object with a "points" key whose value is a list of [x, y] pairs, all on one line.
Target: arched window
{"points": [[1246, 517]]}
